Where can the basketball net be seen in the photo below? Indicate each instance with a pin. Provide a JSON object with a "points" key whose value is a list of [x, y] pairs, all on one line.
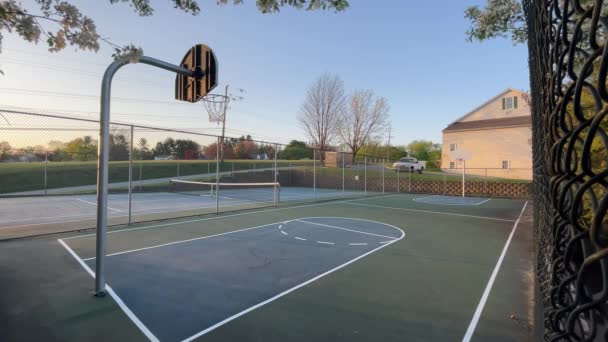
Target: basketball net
{"points": [[216, 106]]}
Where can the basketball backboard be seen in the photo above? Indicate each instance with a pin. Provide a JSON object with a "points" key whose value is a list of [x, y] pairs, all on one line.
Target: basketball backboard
{"points": [[201, 59], [460, 155]]}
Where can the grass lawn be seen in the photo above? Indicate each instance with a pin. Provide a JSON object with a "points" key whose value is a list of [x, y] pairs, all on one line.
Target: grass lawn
{"points": [[16, 177]]}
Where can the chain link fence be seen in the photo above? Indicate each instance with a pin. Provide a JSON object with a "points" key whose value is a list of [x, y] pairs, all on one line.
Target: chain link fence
{"points": [[568, 64], [48, 167]]}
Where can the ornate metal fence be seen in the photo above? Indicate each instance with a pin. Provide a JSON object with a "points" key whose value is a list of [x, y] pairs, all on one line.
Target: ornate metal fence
{"points": [[568, 57]]}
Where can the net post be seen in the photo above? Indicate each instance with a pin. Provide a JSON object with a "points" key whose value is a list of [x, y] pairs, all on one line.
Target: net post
{"points": [[130, 194], [365, 174], [276, 197], [217, 177], [46, 163], [314, 173]]}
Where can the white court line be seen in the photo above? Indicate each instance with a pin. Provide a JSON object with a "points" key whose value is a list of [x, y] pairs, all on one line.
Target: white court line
{"points": [[174, 224], [231, 318], [137, 212], [181, 241], [326, 242], [113, 294], [283, 232], [94, 203], [486, 292], [299, 238], [350, 230], [417, 199], [359, 243], [434, 212]]}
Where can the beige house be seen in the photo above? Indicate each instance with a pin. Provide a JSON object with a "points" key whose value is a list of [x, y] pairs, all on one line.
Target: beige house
{"points": [[496, 137]]}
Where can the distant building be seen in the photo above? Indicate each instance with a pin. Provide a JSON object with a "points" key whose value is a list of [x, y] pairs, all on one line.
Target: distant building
{"points": [[497, 135]]}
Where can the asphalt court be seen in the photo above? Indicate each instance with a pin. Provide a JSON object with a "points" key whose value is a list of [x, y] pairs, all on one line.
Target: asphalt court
{"points": [[355, 269]]}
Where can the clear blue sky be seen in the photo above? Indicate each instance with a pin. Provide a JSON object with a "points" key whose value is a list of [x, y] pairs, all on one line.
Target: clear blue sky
{"points": [[413, 53]]}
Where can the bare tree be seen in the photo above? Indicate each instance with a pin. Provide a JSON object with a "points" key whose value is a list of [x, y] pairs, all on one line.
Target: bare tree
{"points": [[365, 118], [322, 109]]}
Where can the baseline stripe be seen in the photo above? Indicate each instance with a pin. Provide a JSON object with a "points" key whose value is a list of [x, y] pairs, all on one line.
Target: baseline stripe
{"points": [[486, 292]]}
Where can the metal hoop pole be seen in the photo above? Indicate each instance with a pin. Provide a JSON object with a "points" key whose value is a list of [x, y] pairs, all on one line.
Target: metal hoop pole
{"points": [[103, 154]]}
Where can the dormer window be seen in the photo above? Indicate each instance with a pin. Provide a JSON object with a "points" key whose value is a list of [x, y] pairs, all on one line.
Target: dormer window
{"points": [[509, 103]]}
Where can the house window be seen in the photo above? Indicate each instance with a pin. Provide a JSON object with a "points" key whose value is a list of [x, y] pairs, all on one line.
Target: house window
{"points": [[452, 147], [509, 103], [452, 165], [506, 164]]}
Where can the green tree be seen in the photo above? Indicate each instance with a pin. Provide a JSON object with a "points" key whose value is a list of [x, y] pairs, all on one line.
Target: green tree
{"points": [[62, 23], [296, 150], [424, 150], [119, 147], [5, 150], [499, 18], [184, 145], [82, 149]]}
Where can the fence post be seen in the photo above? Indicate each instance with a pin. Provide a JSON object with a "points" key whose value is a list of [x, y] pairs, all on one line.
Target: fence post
{"points": [[464, 168], [314, 173], [398, 169], [485, 181], [276, 194], [208, 167], [130, 175], [46, 162], [382, 176], [232, 167], [217, 177], [343, 170], [254, 171], [365, 173], [140, 173], [409, 180], [445, 184]]}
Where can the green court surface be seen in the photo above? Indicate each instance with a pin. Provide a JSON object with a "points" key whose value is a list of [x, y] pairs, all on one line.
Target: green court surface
{"points": [[383, 268]]}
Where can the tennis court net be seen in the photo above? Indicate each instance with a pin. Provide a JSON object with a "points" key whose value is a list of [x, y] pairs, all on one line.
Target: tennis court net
{"points": [[254, 192]]}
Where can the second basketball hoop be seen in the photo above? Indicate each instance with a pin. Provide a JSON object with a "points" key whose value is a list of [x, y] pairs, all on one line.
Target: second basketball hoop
{"points": [[216, 106]]}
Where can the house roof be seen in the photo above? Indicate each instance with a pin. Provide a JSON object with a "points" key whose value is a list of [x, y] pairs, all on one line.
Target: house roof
{"points": [[489, 124], [485, 103]]}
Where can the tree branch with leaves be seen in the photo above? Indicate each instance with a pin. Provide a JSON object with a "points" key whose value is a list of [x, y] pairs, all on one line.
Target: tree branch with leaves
{"points": [[62, 23]]}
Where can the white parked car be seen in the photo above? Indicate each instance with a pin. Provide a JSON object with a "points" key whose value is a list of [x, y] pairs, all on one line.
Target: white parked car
{"points": [[409, 164]]}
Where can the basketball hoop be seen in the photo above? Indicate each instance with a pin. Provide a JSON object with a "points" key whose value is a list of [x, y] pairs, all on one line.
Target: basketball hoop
{"points": [[216, 106]]}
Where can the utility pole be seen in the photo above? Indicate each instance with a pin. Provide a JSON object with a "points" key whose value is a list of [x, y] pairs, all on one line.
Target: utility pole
{"points": [[224, 125]]}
